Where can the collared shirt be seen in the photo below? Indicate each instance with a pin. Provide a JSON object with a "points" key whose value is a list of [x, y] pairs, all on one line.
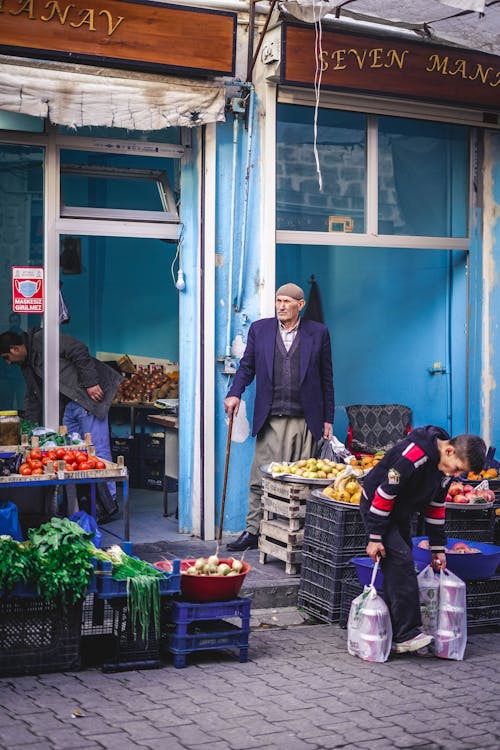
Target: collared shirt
{"points": [[288, 335]]}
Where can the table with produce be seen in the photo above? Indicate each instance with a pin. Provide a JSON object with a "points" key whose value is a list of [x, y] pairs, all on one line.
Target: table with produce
{"points": [[55, 459]]}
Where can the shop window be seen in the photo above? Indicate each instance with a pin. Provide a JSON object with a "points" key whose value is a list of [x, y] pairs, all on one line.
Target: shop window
{"points": [[21, 244], [421, 169], [423, 178], [116, 186], [341, 149]]}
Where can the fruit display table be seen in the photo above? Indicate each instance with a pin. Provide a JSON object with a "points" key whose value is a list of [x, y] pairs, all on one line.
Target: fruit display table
{"points": [[57, 478]]}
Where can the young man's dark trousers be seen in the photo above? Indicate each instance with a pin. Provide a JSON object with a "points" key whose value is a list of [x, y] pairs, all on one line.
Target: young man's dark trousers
{"points": [[400, 580]]}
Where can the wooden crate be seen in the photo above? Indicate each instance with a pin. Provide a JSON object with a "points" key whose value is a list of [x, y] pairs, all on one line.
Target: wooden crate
{"points": [[282, 525], [291, 554]]}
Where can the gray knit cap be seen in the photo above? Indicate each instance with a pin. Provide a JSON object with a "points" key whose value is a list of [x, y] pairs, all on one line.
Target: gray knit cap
{"points": [[290, 290]]}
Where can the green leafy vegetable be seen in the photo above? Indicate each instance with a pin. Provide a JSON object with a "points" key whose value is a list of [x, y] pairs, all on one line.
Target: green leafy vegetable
{"points": [[16, 563], [143, 593], [62, 553]]}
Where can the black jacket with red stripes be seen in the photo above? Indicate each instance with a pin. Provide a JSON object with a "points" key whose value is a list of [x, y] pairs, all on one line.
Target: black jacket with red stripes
{"points": [[406, 480]]}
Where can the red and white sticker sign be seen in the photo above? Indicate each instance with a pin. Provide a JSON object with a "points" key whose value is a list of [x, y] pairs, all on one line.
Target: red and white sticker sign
{"points": [[27, 289]]}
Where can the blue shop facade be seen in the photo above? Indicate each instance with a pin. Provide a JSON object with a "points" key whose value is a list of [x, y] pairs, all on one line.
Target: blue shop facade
{"points": [[188, 196]]}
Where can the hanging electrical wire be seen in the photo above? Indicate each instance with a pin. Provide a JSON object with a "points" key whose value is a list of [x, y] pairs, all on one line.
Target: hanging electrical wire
{"points": [[179, 282], [318, 75]]}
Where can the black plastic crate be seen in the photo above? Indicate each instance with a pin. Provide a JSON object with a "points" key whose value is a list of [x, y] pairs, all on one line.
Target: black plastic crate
{"points": [[38, 637], [483, 604], [152, 446], [152, 474], [350, 589], [320, 586], [126, 447], [472, 524], [333, 525], [321, 609]]}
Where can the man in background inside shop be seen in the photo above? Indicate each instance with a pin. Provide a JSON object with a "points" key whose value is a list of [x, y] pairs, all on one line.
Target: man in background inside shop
{"points": [[413, 476], [86, 390], [291, 360]]}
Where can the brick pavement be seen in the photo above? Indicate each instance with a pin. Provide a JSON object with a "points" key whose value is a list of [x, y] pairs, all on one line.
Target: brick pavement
{"points": [[299, 691]]}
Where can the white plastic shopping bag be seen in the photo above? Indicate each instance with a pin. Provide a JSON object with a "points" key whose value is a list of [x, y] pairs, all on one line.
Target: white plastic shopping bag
{"points": [[444, 612], [428, 587], [369, 629], [450, 639]]}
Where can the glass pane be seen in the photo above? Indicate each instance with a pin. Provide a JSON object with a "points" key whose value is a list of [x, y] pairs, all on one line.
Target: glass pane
{"points": [[121, 181], [341, 147], [423, 178], [21, 244], [166, 135], [16, 121]]}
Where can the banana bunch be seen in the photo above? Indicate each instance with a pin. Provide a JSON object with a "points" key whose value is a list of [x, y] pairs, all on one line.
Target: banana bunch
{"points": [[346, 487]]}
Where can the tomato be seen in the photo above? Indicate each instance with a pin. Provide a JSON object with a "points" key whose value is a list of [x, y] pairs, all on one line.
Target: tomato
{"points": [[52, 455], [60, 452], [81, 457], [35, 463], [35, 453], [69, 467], [91, 462], [25, 470], [37, 472], [45, 460], [100, 465], [84, 466]]}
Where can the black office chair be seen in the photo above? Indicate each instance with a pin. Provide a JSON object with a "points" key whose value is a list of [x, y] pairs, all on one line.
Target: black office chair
{"points": [[376, 427]]}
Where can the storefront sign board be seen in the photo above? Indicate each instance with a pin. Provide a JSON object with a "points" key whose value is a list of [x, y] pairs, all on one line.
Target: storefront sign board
{"points": [[368, 64], [145, 36]]}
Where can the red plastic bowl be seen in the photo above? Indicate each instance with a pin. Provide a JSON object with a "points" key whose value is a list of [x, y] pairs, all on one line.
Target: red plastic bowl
{"points": [[210, 588]]}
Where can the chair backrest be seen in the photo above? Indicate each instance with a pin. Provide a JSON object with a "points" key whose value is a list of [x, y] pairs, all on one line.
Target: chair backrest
{"points": [[376, 427]]}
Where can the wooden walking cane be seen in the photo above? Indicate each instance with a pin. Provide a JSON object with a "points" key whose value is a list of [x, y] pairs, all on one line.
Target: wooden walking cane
{"points": [[223, 502]]}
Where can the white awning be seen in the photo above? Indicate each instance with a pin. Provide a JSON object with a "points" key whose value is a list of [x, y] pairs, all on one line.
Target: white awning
{"points": [[79, 95]]}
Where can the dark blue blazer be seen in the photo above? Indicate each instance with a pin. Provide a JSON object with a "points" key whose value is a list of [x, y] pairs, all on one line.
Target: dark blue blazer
{"points": [[316, 373]]}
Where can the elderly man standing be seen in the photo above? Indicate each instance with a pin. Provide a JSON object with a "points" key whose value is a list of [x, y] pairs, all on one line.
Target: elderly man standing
{"points": [[291, 360]]}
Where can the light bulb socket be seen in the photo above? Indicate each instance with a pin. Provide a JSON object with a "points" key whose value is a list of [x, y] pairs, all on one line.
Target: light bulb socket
{"points": [[180, 284]]}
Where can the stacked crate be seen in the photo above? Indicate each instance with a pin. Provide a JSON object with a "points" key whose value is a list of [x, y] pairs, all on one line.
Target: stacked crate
{"points": [[38, 636], [282, 525], [129, 449], [207, 626], [333, 534], [152, 461], [111, 639]]}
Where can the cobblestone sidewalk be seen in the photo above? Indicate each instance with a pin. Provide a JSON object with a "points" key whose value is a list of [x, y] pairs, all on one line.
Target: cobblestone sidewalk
{"points": [[299, 691]]}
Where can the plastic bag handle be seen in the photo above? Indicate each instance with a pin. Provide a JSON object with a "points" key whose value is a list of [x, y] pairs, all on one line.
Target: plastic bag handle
{"points": [[374, 572]]}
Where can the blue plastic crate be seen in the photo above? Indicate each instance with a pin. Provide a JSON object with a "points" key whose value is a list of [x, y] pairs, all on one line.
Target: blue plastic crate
{"points": [[29, 590], [185, 612], [207, 635], [109, 588]]}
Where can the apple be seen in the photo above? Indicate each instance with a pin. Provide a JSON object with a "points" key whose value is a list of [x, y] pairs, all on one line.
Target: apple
{"points": [[460, 548], [461, 499], [455, 488], [468, 488]]}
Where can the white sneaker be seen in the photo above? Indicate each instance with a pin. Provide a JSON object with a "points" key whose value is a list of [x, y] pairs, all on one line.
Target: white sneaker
{"points": [[413, 644]]}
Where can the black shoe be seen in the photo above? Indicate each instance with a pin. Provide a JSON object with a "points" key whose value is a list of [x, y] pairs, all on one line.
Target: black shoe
{"points": [[107, 517], [245, 541]]}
